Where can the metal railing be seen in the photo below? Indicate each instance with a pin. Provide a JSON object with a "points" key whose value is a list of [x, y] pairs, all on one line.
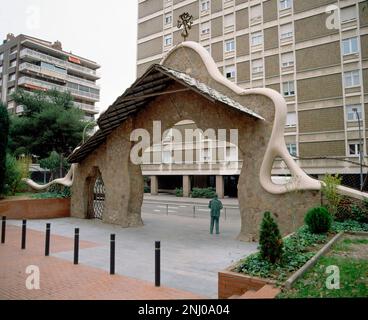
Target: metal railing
{"points": [[48, 85], [192, 210], [56, 61]]}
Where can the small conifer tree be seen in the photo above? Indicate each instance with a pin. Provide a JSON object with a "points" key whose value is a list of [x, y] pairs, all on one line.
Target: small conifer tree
{"points": [[270, 239]]}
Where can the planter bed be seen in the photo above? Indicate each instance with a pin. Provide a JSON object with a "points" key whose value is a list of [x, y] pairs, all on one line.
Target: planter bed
{"points": [[301, 252], [350, 255], [35, 208]]}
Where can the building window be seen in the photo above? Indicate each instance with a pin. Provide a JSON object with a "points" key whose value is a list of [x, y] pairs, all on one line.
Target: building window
{"points": [[206, 155], [229, 45], [229, 20], [13, 63], [205, 5], [167, 156], [354, 148], [11, 90], [205, 28], [353, 111], [286, 31], [168, 19], [348, 14], [12, 77], [291, 119], [255, 14], [287, 59], [230, 72], [352, 78], [257, 66], [291, 147], [288, 88], [284, 4], [167, 40], [1, 56], [257, 38], [350, 46]]}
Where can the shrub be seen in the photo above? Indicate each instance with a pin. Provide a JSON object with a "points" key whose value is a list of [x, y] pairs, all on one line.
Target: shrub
{"points": [[203, 193], [329, 191], [359, 213], [344, 211], [4, 131], [318, 220], [179, 192], [147, 189], [270, 239], [13, 175]]}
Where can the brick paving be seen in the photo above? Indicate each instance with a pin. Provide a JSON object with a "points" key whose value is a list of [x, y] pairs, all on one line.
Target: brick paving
{"points": [[61, 280]]}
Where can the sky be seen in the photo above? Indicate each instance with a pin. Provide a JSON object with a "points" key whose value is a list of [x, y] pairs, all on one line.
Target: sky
{"points": [[104, 31]]}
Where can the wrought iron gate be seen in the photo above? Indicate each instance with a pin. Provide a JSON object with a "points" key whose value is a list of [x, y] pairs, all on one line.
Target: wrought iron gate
{"points": [[98, 198]]}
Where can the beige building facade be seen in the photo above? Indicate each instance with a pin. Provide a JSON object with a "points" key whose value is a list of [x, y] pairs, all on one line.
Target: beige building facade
{"points": [[31, 64], [315, 53]]}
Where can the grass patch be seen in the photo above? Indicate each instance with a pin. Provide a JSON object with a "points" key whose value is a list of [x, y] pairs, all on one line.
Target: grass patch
{"points": [[353, 280], [345, 245]]}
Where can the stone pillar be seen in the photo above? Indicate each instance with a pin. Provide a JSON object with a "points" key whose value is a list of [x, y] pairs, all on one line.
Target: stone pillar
{"points": [[154, 185], [186, 186], [220, 186]]}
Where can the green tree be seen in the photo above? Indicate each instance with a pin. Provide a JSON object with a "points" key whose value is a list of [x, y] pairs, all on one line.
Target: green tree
{"points": [[270, 239], [4, 132], [50, 122], [331, 193], [52, 162]]}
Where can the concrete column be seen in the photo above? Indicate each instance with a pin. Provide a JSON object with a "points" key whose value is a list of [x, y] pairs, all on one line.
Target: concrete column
{"points": [[186, 186], [220, 186], [154, 185]]}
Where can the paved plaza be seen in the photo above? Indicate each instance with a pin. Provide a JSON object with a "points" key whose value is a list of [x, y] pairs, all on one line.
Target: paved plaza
{"points": [[191, 257]]}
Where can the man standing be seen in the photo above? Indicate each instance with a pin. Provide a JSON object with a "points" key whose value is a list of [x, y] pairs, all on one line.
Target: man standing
{"points": [[215, 205]]}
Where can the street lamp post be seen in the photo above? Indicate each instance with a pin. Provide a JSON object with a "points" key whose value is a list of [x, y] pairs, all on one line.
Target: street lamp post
{"points": [[85, 128], [361, 147]]}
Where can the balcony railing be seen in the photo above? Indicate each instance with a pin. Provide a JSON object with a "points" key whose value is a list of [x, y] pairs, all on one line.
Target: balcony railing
{"points": [[59, 75], [40, 83], [84, 82], [59, 62], [49, 86], [84, 94], [85, 106]]}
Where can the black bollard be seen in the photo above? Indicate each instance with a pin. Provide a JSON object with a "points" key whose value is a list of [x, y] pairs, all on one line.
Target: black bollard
{"points": [[3, 226], [76, 245], [47, 240], [157, 263], [24, 230], [112, 253]]}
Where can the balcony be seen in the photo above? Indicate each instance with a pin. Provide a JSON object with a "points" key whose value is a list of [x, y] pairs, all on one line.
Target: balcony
{"points": [[84, 95], [44, 85], [39, 84], [35, 55], [83, 82], [86, 107], [25, 66]]}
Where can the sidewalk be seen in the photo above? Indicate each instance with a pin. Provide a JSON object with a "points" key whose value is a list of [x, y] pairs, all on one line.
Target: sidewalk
{"points": [[62, 280], [228, 202]]}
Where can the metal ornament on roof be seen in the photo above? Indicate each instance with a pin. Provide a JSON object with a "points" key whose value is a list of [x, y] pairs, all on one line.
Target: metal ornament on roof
{"points": [[185, 21]]}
